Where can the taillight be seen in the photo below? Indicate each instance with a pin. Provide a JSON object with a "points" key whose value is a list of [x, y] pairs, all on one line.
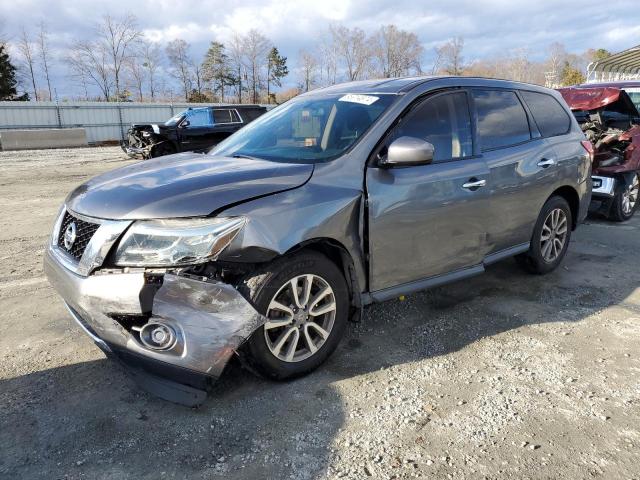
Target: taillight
{"points": [[588, 146]]}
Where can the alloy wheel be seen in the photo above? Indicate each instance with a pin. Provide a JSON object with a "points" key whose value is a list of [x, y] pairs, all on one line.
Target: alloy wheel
{"points": [[554, 235], [630, 196], [300, 317]]}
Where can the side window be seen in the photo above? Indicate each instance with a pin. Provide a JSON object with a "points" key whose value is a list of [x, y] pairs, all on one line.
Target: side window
{"points": [[548, 114], [443, 121], [235, 117], [222, 116], [200, 117], [502, 120]]}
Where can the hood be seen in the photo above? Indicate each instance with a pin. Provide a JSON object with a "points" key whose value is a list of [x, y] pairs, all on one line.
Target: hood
{"points": [[595, 98], [183, 185]]}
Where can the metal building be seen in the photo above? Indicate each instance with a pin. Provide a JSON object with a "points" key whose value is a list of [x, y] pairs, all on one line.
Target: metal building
{"points": [[624, 65]]}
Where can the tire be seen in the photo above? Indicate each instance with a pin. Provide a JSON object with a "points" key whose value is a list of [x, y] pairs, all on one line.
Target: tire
{"points": [[274, 282], [624, 203], [544, 257]]}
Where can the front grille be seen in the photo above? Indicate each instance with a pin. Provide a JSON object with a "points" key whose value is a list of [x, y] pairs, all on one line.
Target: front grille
{"points": [[84, 232]]}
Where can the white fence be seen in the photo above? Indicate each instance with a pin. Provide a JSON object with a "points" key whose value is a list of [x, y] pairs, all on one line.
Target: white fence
{"points": [[102, 121]]}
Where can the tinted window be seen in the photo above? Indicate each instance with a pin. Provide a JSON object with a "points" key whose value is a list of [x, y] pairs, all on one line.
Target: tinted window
{"points": [[199, 117], [502, 120], [234, 116], [222, 116], [549, 115], [443, 121]]}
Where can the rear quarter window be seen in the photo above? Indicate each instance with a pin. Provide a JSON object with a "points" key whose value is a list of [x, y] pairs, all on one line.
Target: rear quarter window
{"points": [[552, 119], [222, 116], [502, 120]]}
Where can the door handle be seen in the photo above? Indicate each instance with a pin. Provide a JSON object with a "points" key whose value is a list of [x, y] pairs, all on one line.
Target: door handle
{"points": [[474, 184], [546, 162]]}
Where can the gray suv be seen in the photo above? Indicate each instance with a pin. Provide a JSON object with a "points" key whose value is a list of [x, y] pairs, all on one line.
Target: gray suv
{"points": [[341, 197]]}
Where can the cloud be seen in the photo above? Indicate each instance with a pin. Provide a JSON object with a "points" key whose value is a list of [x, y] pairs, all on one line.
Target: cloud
{"points": [[490, 27]]}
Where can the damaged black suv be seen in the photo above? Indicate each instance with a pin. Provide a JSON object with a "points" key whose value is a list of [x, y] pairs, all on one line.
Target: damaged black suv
{"points": [[193, 130]]}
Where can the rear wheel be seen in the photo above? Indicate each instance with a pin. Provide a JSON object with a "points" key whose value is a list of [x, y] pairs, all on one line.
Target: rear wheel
{"points": [[550, 238], [306, 302], [625, 202]]}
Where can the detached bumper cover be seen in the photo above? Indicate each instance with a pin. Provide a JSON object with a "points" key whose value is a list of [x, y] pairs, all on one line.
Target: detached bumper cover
{"points": [[210, 319]]}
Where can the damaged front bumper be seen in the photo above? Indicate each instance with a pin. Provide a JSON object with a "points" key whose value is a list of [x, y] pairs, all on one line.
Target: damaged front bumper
{"points": [[136, 152], [191, 330]]}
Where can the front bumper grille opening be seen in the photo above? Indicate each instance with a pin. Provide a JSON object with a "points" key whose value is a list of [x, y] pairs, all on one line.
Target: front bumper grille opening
{"points": [[84, 233]]}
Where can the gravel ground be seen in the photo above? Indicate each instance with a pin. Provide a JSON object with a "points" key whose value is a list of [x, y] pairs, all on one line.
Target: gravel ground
{"points": [[505, 375]]}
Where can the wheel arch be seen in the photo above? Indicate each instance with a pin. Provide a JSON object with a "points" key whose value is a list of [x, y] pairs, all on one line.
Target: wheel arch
{"points": [[337, 253], [570, 194]]}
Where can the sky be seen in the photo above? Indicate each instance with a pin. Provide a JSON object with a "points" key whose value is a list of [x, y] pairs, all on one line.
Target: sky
{"points": [[489, 27]]}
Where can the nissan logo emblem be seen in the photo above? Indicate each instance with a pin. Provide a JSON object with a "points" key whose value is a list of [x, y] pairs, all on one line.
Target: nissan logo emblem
{"points": [[70, 236]]}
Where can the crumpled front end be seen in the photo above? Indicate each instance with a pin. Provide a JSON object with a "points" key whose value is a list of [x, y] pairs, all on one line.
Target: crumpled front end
{"points": [[176, 330], [142, 140]]}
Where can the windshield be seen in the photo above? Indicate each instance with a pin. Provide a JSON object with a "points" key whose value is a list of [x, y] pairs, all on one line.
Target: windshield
{"points": [[173, 121], [308, 130]]}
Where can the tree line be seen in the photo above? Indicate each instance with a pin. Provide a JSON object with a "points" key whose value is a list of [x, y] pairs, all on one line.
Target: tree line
{"points": [[122, 64]]}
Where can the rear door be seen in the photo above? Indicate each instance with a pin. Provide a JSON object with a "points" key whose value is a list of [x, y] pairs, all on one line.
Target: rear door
{"points": [[522, 165], [427, 220], [226, 122]]}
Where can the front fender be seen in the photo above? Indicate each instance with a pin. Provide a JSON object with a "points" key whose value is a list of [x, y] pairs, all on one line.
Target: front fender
{"points": [[280, 222]]}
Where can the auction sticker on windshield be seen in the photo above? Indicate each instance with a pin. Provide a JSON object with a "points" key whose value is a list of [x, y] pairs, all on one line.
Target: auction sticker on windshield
{"points": [[355, 98]]}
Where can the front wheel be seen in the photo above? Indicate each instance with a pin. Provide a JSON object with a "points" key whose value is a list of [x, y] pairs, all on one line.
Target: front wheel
{"points": [[625, 202], [550, 238], [306, 302]]}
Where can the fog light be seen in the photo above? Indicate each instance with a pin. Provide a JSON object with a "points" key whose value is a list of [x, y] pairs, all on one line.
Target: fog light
{"points": [[158, 336]]}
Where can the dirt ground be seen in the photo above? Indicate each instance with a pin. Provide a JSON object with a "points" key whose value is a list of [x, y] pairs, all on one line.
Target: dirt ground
{"points": [[506, 375]]}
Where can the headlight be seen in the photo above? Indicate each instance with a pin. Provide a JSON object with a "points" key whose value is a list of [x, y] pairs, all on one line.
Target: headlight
{"points": [[168, 243]]}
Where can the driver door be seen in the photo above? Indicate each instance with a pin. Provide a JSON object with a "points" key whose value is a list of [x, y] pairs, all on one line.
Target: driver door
{"points": [[428, 220], [195, 130]]}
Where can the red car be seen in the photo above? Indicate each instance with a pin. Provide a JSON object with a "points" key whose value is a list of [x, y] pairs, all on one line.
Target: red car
{"points": [[611, 121]]}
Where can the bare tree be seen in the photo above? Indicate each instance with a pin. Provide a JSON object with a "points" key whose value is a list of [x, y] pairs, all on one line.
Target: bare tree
{"points": [[518, 65], [43, 50], [196, 68], [308, 66], [28, 53], [397, 52], [90, 64], [151, 57], [117, 38], [449, 57], [328, 60], [255, 47], [236, 58], [138, 75], [178, 54], [557, 54], [353, 49]]}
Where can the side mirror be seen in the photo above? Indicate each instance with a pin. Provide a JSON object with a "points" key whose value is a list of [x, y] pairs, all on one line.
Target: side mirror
{"points": [[408, 151], [185, 124]]}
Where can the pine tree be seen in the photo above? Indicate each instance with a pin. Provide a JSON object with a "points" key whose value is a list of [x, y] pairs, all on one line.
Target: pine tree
{"points": [[276, 70], [216, 69], [8, 80]]}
